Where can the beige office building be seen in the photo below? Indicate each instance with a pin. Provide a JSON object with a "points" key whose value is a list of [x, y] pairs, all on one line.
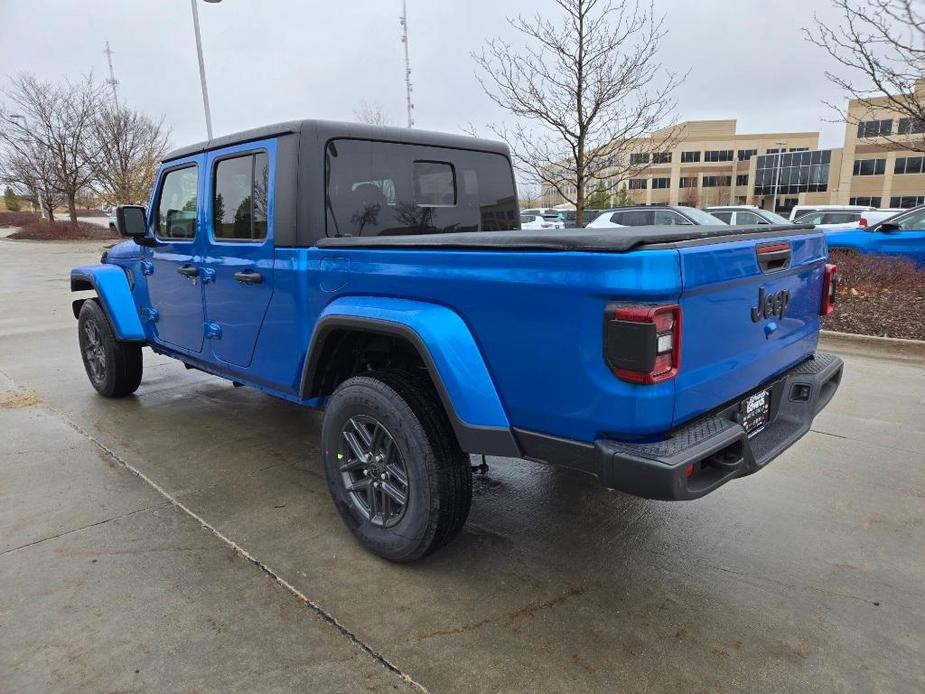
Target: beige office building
{"points": [[712, 164]]}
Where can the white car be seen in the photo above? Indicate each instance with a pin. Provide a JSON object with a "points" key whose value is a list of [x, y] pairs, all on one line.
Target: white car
{"points": [[802, 210], [535, 221], [830, 219]]}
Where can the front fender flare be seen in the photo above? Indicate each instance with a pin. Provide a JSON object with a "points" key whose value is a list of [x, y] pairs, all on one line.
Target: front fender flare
{"points": [[111, 285], [447, 347]]}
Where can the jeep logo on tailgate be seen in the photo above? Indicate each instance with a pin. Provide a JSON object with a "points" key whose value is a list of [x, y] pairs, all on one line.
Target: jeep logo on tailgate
{"points": [[771, 304]]}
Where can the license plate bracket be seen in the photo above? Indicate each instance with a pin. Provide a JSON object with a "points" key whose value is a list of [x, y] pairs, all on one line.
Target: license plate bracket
{"points": [[755, 411]]}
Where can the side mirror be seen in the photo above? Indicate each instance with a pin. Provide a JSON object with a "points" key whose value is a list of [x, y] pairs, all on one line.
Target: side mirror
{"points": [[132, 222], [887, 226]]}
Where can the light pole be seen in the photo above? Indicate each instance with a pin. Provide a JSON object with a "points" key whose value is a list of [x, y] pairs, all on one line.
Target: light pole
{"points": [[202, 66], [780, 153], [38, 190]]}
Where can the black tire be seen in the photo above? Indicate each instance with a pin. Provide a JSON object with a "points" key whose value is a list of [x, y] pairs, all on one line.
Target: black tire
{"points": [[114, 368], [437, 472]]}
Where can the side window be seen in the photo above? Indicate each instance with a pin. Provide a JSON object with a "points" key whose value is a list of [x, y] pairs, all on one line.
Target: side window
{"points": [[724, 216], [617, 218], [748, 218], [815, 218], [435, 184], [637, 218], [176, 204], [239, 198], [386, 189], [914, 222], [841, 217], [668, 217]]}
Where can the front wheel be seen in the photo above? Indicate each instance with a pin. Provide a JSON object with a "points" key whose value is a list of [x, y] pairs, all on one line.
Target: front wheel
{"points": [[114, 368], [396, 473]]}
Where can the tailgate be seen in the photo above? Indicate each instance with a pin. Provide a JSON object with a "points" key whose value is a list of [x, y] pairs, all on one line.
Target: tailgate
{"points": [[750, 311]]}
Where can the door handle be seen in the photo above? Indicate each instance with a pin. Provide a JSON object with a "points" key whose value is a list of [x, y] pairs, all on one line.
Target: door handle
{"points": [[188, 271], [248, 277]]}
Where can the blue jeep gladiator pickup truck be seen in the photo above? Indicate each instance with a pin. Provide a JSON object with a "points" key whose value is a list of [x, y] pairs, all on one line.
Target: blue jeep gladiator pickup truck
{"points": [[380, 274]]}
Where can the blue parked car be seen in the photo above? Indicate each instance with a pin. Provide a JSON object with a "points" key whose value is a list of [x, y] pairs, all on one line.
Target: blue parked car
{"points": [[900, 236], [381, 274]]}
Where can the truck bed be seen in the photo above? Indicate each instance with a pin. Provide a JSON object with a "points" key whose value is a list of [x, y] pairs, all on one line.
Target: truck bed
{"points": [[616, 240]]}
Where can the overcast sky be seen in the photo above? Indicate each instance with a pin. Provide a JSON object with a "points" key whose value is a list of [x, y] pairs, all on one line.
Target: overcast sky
{"points": [[273, 60]]}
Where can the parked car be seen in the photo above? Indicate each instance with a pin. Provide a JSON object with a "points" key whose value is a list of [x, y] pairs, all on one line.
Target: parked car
{"points": [[544, 212], [428, 326], [802, 210], [900, 236], [535, 221], [842, 219], [745, 215], [647, 215]]}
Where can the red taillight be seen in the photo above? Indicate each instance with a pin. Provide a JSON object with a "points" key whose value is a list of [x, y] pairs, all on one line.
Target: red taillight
{"points": [[862, 222], [829, 288], [643, 343]]}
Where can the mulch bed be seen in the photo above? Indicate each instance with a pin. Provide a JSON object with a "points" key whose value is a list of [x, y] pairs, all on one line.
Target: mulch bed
{"points": [[43, 230], [878, 296]]}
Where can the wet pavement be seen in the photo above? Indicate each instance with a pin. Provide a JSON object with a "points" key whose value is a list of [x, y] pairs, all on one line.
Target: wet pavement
{"points": [[221, 564]]}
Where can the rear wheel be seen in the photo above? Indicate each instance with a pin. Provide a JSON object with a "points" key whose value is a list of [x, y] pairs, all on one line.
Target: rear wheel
{"points": [[394, 468], [114, 368]]}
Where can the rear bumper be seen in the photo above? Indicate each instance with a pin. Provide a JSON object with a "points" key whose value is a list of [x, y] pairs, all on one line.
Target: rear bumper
{"points": [[701, 456]]}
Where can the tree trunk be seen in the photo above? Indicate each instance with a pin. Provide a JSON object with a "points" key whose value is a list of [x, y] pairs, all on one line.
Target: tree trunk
{"points": [[72, 206], [580, 203], [49, 211]]}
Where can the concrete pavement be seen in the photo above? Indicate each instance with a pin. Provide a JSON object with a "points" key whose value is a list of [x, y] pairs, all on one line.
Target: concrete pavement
{"points": [[807, 575]]}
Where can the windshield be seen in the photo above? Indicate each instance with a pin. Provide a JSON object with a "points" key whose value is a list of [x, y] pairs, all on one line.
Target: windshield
{"points": [[775, 218], [701, 217]]}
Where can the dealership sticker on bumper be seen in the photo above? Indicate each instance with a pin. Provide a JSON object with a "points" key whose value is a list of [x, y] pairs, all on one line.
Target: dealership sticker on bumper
{"points": [[755, 411]]}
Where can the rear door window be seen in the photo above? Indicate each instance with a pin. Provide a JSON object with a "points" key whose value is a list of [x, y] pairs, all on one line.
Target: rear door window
{"points": [[633, 218], [748, 218], [724, 216], [669, 217], [386, 189], [239, 198]]}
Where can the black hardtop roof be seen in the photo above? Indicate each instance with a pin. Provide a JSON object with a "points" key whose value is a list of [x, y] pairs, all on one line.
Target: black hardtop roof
{"points": [[325, 130]]}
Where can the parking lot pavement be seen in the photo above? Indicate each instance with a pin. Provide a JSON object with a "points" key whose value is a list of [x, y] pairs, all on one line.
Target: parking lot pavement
{"points": [[806, 575]]}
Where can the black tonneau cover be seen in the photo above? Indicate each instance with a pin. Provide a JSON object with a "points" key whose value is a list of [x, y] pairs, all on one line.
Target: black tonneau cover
{"points": [[600, 240]]}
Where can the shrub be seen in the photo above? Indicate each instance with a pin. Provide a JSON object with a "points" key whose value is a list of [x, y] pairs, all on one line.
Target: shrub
{"points": [[17, 219], [43, 230]]}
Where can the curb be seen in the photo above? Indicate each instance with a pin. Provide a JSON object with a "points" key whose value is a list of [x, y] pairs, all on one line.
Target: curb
{"points": [[871, 346]]}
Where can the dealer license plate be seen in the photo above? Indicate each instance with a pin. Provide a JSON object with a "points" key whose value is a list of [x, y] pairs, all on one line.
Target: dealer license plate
{"points": [[755, 411]]}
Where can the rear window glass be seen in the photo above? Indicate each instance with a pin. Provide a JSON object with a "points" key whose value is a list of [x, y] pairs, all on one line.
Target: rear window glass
{"points": [[387, 189]]}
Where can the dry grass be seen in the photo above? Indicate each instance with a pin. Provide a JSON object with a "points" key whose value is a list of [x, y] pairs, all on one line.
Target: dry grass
{"points": [[17, 219]]}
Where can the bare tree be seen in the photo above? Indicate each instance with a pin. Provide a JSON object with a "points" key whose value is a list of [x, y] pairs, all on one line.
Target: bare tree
{"points": [[881, 45], [57, 123], [371, 113], [126, 149], [25, 162], [587, 91]]}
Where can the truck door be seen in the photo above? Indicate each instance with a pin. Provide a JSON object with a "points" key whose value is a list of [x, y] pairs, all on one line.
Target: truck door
{"points": [[238, 263], [172, 266]]}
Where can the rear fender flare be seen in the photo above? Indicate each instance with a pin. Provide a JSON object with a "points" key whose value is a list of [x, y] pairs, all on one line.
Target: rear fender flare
{"points": [[446, 346], [111, 286]]}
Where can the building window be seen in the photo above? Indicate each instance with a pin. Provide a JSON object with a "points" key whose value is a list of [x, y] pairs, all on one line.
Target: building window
{"points": [[717, 181], [639, 158], [742, 180], [865, 201], [690, 157], [907, 201], [792, 172], [718, 155], [908, 165], [687, 182], [661, 158], [661, 183], [637, 184], [875, 128], [911, 126], [773, 150], [869, 167], [746, 154], [799, 149]]}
